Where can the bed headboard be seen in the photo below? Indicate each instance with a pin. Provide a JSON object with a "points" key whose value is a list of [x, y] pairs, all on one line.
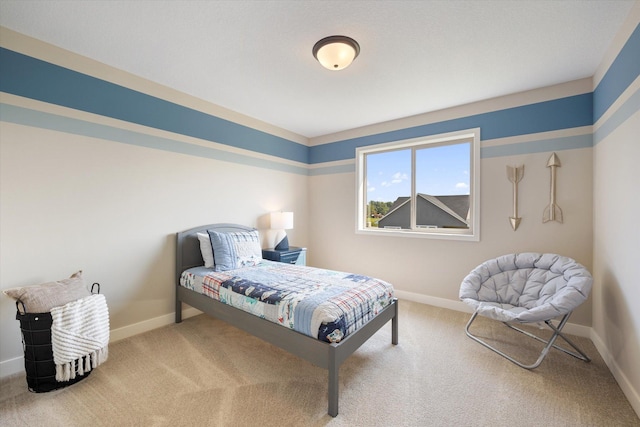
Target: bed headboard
{"points": [[188, 246]]}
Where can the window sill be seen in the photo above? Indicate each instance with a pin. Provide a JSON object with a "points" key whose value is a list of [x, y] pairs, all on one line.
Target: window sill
{"points": [[443, 235]]}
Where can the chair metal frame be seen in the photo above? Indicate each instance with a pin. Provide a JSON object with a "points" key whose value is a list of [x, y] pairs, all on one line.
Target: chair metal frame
{"points": [[550, 343]]}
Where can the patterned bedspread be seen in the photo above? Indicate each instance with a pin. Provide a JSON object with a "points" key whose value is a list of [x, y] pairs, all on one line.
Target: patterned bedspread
{"points": [[324, 304]]}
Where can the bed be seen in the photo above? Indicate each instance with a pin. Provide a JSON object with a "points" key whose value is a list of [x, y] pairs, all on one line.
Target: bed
{"points": [[325, 354]]}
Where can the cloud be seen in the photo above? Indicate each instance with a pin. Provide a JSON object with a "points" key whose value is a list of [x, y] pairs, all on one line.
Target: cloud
{"points": [[396, 178], [400, 176], [462, 185]]}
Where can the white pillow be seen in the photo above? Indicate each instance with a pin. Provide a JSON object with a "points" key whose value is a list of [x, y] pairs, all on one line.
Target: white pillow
{"points": [[206, 249]]}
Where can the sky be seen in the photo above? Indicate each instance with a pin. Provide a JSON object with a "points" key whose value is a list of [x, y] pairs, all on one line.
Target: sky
{"points": [[441, 171]]}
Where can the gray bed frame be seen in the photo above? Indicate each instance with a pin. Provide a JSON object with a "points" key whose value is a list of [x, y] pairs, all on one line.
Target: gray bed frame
{"points": [[323, 354]]}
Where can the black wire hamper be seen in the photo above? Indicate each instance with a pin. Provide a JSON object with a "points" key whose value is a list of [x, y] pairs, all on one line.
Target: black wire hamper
{"points": [[38, 354]]}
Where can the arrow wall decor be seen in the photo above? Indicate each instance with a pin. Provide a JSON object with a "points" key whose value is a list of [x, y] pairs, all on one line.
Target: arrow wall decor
{"points": [[515, 174], [553, 211]]}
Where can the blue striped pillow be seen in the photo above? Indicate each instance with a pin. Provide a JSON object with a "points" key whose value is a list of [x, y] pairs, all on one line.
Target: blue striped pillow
{"points": [[235, 249]]}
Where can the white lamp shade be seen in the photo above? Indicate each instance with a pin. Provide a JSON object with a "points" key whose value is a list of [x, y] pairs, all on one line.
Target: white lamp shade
{"points": [[282, 220]]}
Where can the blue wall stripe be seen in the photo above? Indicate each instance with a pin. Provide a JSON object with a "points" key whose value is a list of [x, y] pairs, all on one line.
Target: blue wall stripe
{"points": [[542, 146], [330, 170], [622, 72], [626, 110], [563, 113], [33, 118], [32, 78], [516, 149]]}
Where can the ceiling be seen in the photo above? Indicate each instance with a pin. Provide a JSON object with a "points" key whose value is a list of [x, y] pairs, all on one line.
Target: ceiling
{"points": [[254, 57]]}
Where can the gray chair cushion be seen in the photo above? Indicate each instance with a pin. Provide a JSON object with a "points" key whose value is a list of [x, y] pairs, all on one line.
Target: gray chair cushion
{"points": [[526, 287]]}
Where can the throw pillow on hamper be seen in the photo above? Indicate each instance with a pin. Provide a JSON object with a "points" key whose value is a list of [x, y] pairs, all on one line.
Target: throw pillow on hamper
{"points": [[42, 298]]}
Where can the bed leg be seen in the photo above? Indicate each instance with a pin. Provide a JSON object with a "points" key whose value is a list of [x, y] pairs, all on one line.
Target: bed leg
{"points": [[178, 311], [394, 325], [334, 369]]}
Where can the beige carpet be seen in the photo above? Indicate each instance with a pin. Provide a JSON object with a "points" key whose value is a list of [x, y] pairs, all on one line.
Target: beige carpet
{"points": [[207, 373]]}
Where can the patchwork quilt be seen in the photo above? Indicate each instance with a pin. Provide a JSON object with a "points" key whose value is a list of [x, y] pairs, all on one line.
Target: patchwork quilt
{"points": [[324, 304]]}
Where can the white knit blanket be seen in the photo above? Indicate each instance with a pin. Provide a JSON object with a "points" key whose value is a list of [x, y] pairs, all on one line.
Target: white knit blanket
{"points": [[80, 336]]}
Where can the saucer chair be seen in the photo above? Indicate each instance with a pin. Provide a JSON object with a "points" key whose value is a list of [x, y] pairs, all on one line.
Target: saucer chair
{"points": [[528, 288]]}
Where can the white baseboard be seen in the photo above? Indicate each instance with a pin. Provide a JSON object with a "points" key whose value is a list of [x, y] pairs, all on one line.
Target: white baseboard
{"points": [[149, 325], [11, 366], [16, 365], [629, 391], [435, 301], [570, 328]]}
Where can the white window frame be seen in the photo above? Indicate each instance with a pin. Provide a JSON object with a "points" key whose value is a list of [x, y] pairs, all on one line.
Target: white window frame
{"points": [[470, 234]]}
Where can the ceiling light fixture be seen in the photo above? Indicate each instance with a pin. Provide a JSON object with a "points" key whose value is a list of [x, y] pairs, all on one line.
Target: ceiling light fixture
{"points": [[336, 52]]}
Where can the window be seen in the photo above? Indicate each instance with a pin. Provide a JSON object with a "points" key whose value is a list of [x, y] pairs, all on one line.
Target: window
{"points": [[423, 187]]}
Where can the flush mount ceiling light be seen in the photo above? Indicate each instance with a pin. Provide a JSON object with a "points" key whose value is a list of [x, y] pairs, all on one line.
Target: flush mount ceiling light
{"points": [[336, 52]]}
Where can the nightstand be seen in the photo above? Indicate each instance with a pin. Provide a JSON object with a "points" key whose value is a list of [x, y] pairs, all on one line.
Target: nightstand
{"points": [[293, 255]]}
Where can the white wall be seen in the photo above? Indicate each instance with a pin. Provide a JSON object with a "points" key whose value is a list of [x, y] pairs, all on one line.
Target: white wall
{"points": [[431, 270], [71, 202], [616, 294], [81, 191], [616, 253]]}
